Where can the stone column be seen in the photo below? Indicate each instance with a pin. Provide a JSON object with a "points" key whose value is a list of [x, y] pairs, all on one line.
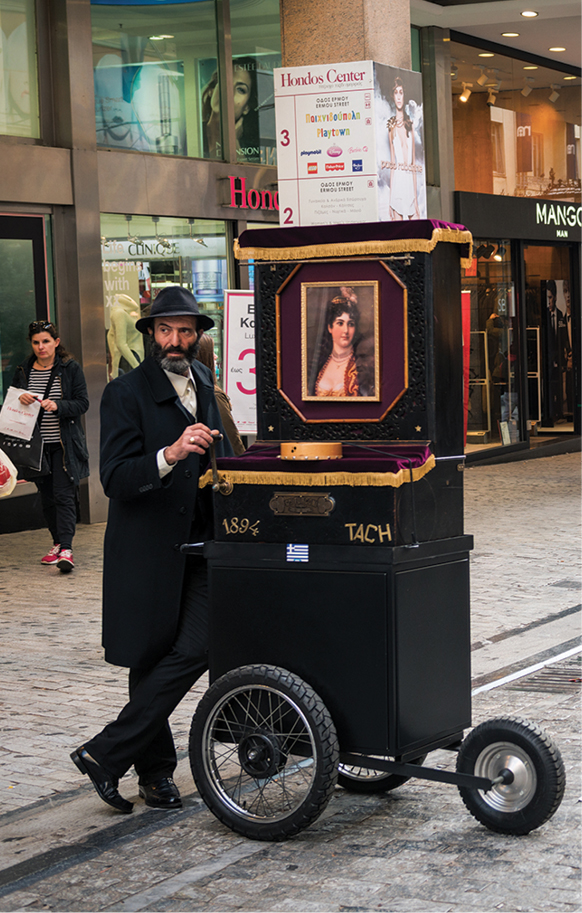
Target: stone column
{"points": [[344, 30], [76, 229]]}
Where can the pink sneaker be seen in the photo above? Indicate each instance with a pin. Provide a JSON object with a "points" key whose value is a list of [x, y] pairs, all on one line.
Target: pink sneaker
{"points": [[53, 556], [65, 562]]}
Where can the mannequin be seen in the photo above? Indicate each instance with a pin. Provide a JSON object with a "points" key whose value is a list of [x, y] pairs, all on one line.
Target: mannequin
{"points": [[123, 340]]}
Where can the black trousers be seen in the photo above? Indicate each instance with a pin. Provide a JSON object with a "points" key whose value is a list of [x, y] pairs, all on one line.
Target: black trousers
{"points": [[58, 498], [141, 733]]}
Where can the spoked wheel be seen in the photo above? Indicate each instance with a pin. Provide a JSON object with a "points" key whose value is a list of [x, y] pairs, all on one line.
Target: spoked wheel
{"points": [[264, 752], [367, 780], [531, 769]]}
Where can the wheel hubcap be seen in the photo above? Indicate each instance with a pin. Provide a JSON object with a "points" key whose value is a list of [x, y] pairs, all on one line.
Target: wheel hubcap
{"points": [[502, 759], [259, 755]]}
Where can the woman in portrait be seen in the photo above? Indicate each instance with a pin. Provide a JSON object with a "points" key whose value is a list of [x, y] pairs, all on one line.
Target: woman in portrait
{"points": [[337, 374], [403, 192], [246, 116]]}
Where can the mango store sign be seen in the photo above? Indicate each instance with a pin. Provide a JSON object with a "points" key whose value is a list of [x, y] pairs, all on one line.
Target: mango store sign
{"points": [[350, 144], [239, 358]]}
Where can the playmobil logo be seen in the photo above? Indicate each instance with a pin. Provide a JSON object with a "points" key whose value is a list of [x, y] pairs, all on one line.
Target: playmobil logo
{"points": [[331, 76], [310, 152], [241, 198]]}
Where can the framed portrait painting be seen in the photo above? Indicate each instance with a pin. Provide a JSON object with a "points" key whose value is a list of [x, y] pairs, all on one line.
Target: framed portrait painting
{"points": [[340, 341]]}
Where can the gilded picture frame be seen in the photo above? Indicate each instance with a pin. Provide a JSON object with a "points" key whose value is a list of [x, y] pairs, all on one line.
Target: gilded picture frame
{"points": [[340, 341]]}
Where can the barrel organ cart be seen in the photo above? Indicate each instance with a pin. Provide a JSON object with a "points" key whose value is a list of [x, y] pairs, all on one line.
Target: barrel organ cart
{"points": [[339, 584]]}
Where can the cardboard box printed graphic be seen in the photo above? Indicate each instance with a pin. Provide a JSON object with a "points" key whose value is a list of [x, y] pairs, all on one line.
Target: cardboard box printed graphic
{"points": [[350, 144]]}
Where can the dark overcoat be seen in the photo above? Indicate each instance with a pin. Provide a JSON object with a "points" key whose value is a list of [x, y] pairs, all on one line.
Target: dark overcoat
{"points": [[149, 518]]}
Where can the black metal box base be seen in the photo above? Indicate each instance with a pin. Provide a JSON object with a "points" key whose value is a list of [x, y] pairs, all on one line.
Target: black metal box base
{"points": [[382, 634]]}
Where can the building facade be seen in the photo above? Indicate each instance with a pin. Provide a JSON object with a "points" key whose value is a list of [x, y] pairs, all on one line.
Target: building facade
{"points": [[137, 140]]}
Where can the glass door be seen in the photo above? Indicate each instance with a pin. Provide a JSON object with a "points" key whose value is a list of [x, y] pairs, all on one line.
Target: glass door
{"points": [[550, 339], [23, 289]]}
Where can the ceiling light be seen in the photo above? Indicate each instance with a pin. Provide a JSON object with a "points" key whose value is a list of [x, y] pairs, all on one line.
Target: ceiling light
{"points": [[464, 96], [500, 253], [486, 54], [530, 68], [527, 87], [484, 251], [491, 97], [557, 50], [529, 14], [483, 77], [510, 34], [555, 94], [159, 37], [570, 77]]}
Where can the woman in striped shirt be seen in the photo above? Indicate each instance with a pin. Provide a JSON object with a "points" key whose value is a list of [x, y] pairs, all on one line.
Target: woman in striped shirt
{"points": [[52, 376]]}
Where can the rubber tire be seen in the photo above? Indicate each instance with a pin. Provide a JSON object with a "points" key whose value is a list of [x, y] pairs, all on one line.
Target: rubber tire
{"points": [[292, 696], [368, 783], [537, 761]]}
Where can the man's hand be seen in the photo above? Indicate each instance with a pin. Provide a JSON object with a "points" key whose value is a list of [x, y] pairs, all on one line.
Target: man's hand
{"points": [[194, 439]]}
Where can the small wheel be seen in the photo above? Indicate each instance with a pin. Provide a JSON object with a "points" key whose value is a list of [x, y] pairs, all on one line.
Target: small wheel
{"points": [[532, 768], [367, 780], [263, 752]]}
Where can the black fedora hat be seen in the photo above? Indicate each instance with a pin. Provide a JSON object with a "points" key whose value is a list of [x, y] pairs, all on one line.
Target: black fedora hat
{"points": [[174, 301]]}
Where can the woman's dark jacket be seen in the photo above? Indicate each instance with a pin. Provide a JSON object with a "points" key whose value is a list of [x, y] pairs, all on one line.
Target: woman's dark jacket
{"points": [[70, 408]]}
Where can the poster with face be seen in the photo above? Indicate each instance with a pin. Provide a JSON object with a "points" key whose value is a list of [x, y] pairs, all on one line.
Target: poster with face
{"points": [[340, 335], [398, 111], [254, 108]]}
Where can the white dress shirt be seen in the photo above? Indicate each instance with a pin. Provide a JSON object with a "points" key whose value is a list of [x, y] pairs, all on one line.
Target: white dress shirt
{"points": [[185, 387]]}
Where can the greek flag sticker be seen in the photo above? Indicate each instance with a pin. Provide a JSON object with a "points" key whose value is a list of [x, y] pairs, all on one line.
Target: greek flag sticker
{"points": [[297, 553]]}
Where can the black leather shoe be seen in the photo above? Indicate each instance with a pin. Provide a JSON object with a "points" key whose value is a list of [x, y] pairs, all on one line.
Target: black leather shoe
{"points": [[105, 785], [163, 793]]}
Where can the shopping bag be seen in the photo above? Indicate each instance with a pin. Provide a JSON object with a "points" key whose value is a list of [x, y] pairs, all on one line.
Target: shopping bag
{"points": [[16, 419], [28, 456], [8, 475]]}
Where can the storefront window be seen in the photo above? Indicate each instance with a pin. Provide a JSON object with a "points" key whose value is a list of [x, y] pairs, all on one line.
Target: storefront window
{"points": [[142, 255], [256, 50], [516, 126], [491, 347], [18, 69], [151, 75], [550, 337]]}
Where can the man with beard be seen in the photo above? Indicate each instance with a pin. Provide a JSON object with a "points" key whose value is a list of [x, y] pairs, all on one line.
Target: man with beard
{"points": [[157, 423]]}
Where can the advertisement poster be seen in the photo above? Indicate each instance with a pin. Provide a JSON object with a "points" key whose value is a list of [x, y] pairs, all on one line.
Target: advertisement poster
{"points": [[239, 358], [140, 105], [325, 144], [349, 144], [398, 115], [254, 108], [18, 83]]}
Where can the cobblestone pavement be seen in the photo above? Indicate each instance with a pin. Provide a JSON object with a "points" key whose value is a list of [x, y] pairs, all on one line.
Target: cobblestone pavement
{"points": [[414, 849]]}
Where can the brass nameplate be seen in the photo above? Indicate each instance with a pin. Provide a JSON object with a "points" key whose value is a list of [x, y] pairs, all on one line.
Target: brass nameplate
{"points": [[301, 504]]}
